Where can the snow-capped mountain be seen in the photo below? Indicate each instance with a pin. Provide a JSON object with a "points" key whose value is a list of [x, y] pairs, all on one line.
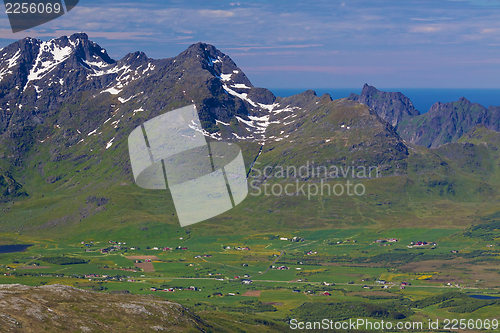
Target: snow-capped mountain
{"points": [[38, 77], [67, 109], [64, 103]]}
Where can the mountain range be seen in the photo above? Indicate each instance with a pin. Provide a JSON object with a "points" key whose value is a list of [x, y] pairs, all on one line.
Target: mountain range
{"points": [[67, 108], [443, 123]]}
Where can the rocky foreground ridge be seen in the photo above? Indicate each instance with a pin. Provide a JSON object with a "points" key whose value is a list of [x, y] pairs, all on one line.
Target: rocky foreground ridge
{"points": [[59, 308]]}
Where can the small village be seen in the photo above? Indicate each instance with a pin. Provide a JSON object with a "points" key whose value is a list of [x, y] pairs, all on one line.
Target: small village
{"points": [[421, 243]]}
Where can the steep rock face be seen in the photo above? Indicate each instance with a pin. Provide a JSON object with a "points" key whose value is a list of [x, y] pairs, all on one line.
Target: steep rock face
{"points": [[448, 122], [261, 95], [393, 107]]}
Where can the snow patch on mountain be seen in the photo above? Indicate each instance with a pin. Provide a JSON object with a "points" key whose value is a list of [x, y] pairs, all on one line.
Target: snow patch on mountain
{"points": [[99, 64], [93, 132], [112, 91], [285, 109], [125, 100], [226, 77], [4, 72], [243, 137], [268, 107], [50, 55], [263, 121], [106, 71], [126, 76], [149, 68], [13, 61], [257, 125], [248, 123], [138, 110], [110, 143], [211, 61], [240, 86], [221, 122], [242, 96], [197, 128]]}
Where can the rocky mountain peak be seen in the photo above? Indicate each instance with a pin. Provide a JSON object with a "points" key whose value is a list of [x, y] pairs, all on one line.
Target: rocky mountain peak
{"points": [[393, 107], [219, 65], [135, 59], [31, 62]]}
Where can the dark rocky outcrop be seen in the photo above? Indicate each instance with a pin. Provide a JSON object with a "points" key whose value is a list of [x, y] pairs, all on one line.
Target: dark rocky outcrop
{"points": [[393, 107]]}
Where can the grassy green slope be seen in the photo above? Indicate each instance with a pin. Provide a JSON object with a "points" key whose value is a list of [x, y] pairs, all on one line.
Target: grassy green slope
{"points": [[86, 190]]}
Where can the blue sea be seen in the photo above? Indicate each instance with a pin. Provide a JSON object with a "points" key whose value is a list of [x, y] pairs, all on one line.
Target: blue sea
{"points": [[422, 98]]}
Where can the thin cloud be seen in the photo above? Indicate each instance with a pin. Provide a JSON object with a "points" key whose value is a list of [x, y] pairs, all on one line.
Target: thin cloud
{"points": [[428, 19], [248, 48], [425, 29], [284, 53], [320, 69], [490, 31], [484, 61], [216, 13], [292, 34], [140, 36]]}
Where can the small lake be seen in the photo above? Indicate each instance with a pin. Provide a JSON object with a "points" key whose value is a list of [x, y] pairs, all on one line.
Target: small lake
{"points": [[484, 297], [14, 248]]}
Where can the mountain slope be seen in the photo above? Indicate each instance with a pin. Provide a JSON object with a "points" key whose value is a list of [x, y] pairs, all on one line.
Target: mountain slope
{"points": [[307, 128], [448, 122]]}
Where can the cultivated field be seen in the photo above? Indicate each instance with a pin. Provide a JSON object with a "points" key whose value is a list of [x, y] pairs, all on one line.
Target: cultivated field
{"points": [[262, 276]]}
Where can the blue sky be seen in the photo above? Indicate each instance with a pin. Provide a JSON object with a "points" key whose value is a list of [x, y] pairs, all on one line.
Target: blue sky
{"points": [[301, 44]]}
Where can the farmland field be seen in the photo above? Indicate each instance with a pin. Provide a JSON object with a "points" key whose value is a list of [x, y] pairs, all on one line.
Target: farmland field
{"points": [[264, 277]]}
